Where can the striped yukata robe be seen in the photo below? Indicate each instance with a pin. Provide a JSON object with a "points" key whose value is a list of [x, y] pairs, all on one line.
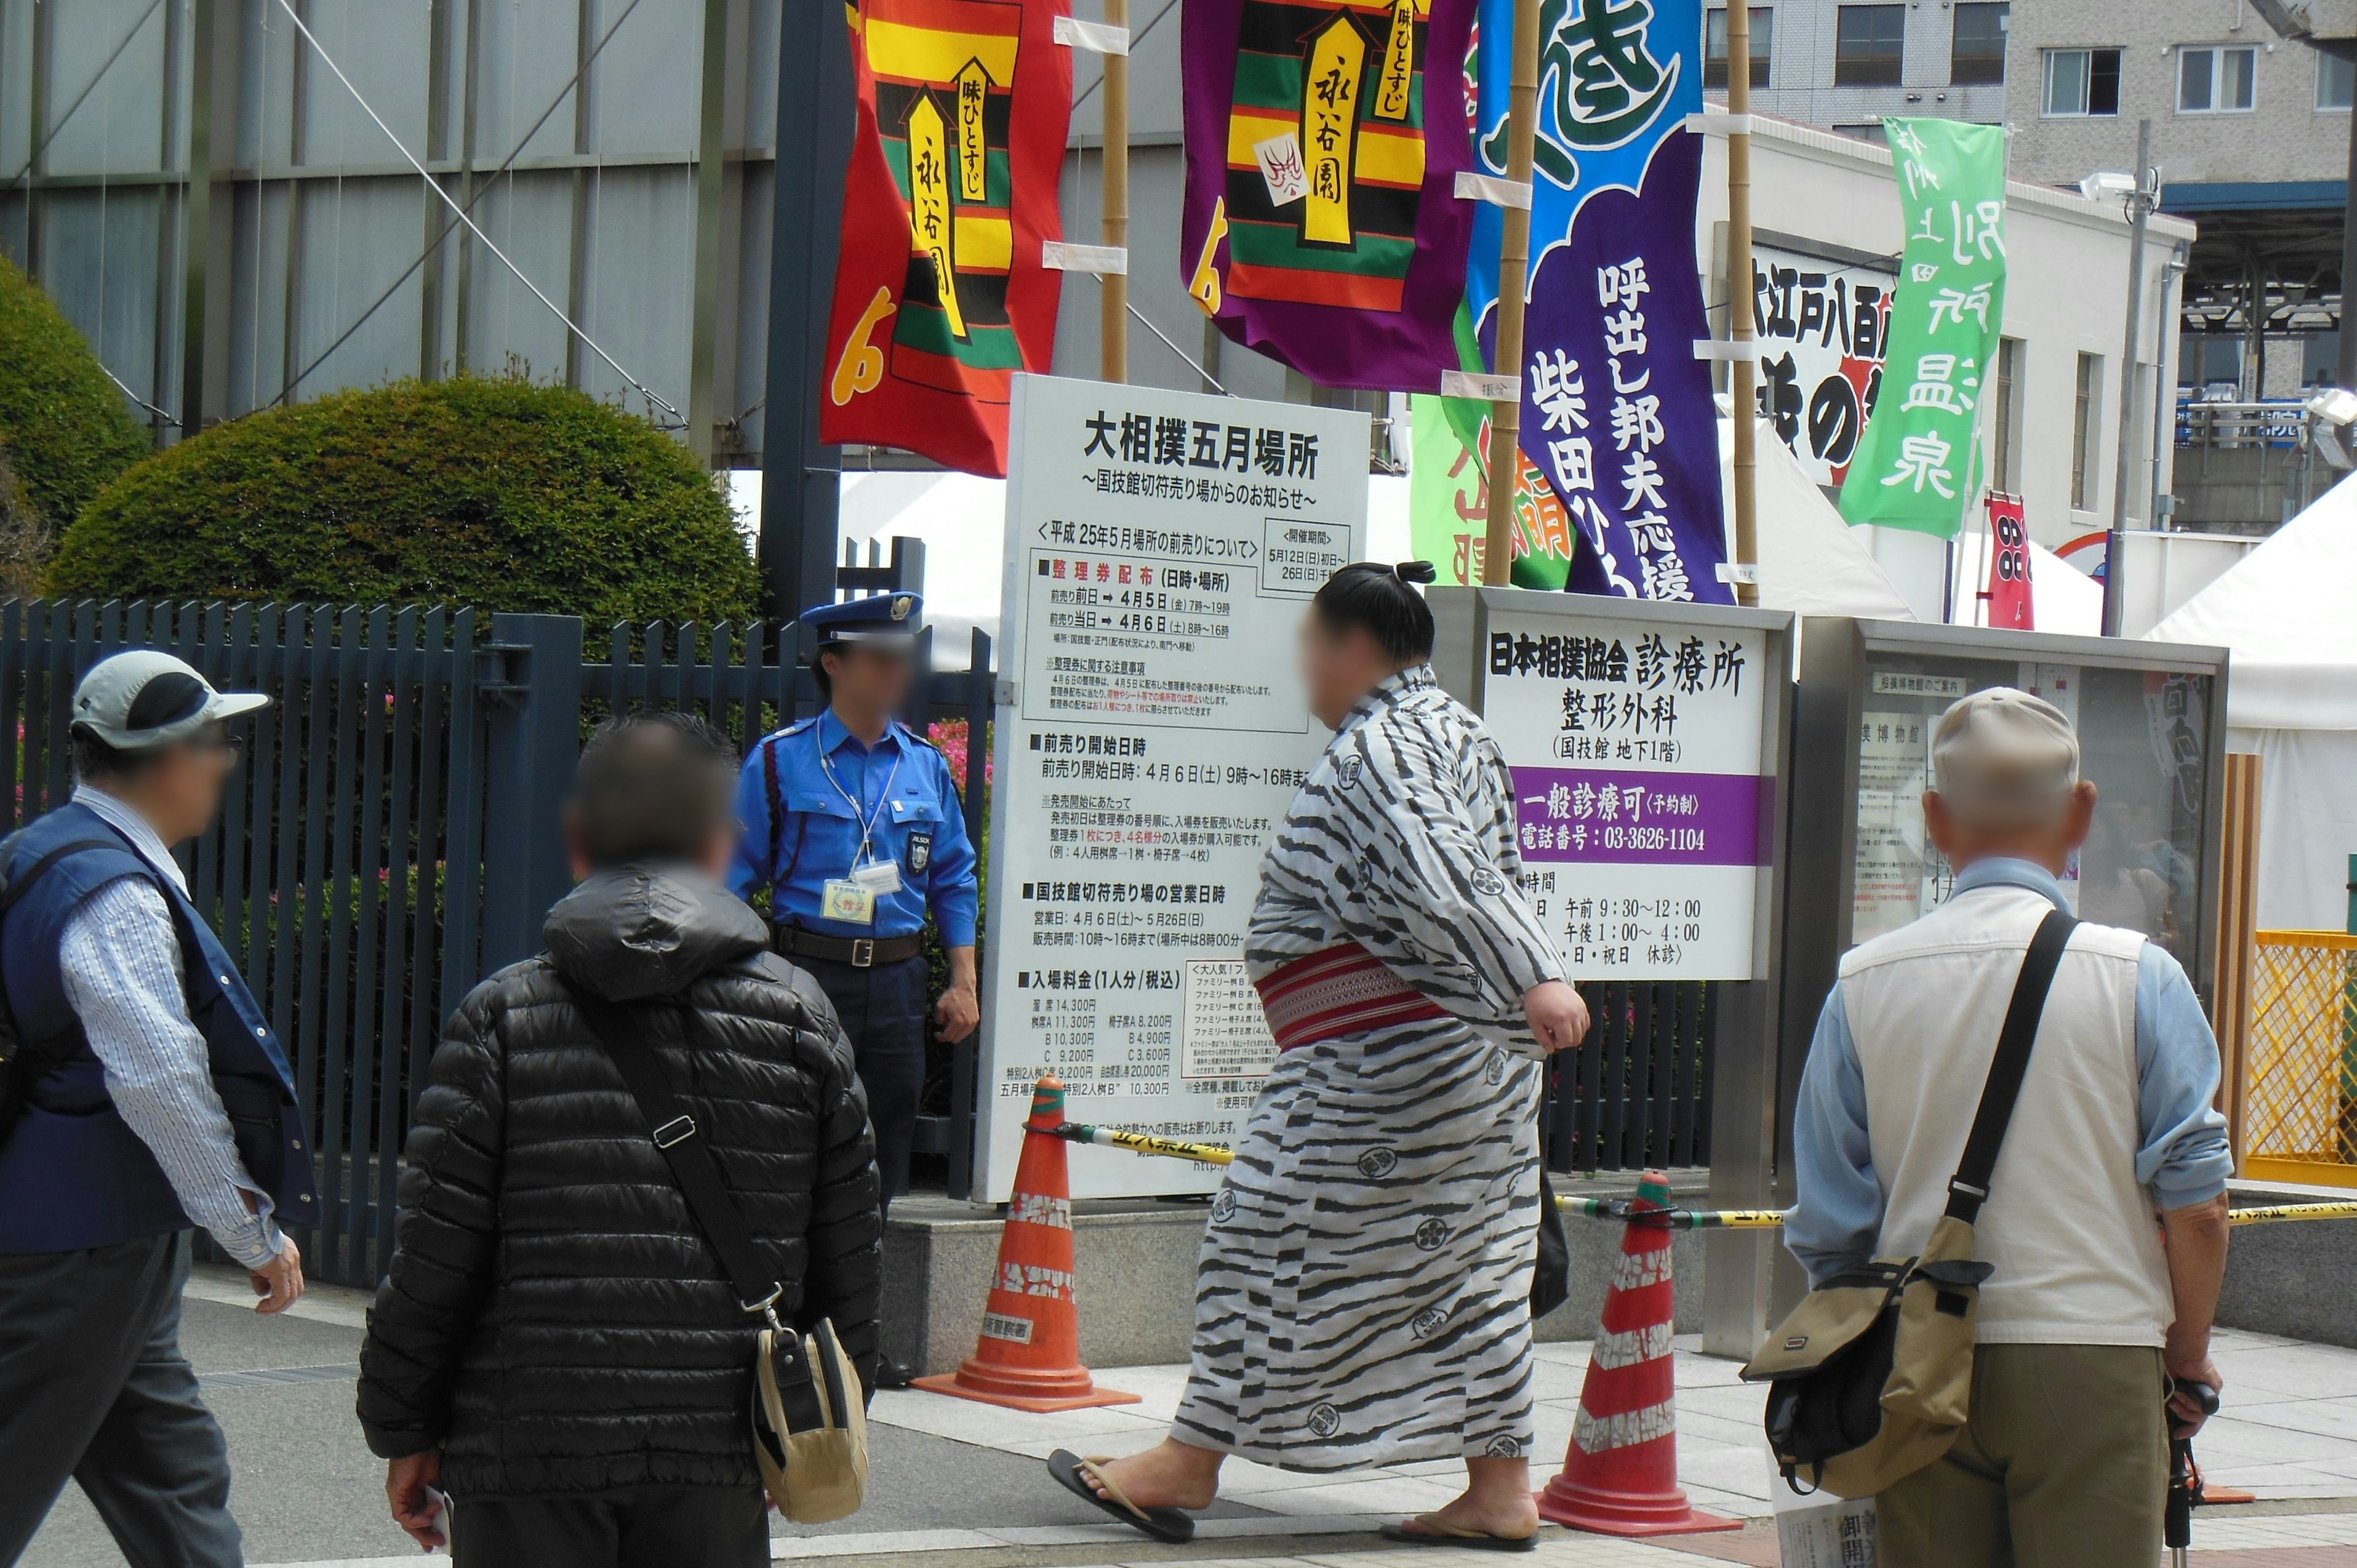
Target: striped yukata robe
{"points": [[1363, 1295]]}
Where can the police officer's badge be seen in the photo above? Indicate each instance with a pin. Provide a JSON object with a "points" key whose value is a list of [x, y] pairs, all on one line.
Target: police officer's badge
{"points": [[920, 849]]}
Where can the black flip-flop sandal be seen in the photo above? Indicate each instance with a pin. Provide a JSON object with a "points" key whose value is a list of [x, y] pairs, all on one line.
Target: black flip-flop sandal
{"points": [[1081, 1477], [1439, 1532]]}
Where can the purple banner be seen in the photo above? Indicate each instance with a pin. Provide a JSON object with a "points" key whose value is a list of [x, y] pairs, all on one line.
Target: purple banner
{"points": [[1617, 412], [1321, 224], [1604, 816]]}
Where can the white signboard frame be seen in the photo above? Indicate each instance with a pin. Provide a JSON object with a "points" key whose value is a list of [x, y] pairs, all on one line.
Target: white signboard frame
{"points": [[1151, 731], [1648, 744]]}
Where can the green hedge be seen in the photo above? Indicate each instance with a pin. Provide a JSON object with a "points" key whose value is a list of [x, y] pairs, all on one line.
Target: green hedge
{"points": [[65, 431], [491, 492]]}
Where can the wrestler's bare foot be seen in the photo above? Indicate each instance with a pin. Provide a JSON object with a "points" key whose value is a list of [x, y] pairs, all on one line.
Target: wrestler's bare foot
{"points": [[1172, 1475], [1496, 1501]]}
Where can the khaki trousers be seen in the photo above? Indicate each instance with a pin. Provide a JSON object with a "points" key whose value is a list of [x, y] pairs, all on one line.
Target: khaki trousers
{"points": [[2063, 1465]]}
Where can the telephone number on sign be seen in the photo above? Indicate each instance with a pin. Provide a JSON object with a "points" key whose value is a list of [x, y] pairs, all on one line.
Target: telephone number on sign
{"points": [[1680, 841]]}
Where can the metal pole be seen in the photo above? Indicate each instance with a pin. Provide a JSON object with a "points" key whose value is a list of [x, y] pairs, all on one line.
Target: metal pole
{"points": [[2345, 373], [2164, 394], [800, 480], [1739, 297], [1112, 330], [1514, 284], [2139, 209]]}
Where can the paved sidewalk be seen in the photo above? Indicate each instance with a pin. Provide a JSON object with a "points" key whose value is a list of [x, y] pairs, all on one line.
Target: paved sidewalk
{"points": [[958, 1485]]}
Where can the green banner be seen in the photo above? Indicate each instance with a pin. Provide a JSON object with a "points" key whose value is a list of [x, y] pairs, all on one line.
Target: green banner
{"points": [[1448, 500], [1917, 463]]}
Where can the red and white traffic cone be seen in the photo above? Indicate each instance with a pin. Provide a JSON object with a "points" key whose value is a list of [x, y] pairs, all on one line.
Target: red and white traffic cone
{"points": [[1621, 1474]]}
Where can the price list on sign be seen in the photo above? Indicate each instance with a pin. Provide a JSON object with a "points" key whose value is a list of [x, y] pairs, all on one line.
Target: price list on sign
{"points": [[1642, 793], [1162, 548]]}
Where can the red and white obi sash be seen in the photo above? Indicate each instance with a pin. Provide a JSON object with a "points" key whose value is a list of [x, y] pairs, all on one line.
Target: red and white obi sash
{"points": [[1338, 990]]}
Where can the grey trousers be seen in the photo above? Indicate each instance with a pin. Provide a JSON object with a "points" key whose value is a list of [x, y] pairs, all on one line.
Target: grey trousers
{"points": [[93, 1385]]}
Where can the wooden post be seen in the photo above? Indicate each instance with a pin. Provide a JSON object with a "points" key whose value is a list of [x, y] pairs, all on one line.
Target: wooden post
{"points": [[1505, 458], [2236, 940], [1741, 370], [1112, 330]]}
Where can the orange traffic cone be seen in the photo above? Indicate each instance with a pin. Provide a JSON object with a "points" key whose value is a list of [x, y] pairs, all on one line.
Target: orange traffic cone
{"points": [[1028, 1356], [1621, 1474]]}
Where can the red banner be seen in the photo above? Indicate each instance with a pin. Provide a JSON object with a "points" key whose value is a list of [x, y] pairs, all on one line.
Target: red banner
{"points": [[2007, 594], [940, 296]]}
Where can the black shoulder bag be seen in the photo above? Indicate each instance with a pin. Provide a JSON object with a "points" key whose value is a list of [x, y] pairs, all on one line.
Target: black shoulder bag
{"points": [[808, 1412], [1870, 1378]]}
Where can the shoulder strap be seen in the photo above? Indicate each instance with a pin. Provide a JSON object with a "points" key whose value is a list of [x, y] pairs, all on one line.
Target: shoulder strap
{"points": [[13, 888], [1969, 1189], [692, 1165], [777, 813]]}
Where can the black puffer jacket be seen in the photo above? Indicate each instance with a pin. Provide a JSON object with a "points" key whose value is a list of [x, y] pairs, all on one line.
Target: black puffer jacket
{"points": [[554, 1321]]}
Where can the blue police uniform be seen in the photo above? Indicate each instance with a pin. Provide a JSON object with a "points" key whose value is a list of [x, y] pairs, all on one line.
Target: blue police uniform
{"points": [[825, 813]]}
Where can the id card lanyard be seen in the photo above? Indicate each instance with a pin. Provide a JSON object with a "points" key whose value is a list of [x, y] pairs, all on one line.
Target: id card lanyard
{"points": [[852, 899]]}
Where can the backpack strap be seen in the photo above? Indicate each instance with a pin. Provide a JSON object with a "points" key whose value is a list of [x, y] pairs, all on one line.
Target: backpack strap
{"points": [[1969, 1187], [13, 887], [618, 1030]]}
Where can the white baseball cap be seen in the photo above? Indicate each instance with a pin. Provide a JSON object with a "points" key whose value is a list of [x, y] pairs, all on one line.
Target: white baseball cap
{"points": [[142, 698], [2004, 754]]}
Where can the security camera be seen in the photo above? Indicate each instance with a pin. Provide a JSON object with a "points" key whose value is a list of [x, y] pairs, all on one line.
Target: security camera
{"points": [[2108, 185], [2334, 405]]}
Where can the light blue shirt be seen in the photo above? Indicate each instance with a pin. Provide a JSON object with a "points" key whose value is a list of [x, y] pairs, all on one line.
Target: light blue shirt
{"points": [[2184, 1157], [802, 833]]}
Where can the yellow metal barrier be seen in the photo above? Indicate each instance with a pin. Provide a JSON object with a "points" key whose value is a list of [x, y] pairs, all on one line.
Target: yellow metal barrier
{"points": [[2300, 1109]]}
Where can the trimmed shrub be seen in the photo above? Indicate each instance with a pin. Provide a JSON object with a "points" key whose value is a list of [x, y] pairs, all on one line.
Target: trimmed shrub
{"points": [[65, 429], [493, 491]]}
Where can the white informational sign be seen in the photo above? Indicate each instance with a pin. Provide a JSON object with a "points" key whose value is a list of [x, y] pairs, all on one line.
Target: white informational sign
{"points": [[1637, 747], [1161, 550], [1820, 328]]}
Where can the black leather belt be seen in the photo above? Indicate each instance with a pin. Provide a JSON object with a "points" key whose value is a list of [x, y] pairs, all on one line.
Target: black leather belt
{"points": [[859, 953]]}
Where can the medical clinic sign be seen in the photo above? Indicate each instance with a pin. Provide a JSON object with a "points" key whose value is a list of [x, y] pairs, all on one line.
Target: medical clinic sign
{"points": [[1161, 550], [1643, 749]]}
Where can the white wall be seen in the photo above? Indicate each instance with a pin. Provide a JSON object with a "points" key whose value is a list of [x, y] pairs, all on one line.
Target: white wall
{"points": [[2066, 294]]}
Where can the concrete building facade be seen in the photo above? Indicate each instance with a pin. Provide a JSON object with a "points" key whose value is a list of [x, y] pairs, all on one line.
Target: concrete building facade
{"points": [[1844, 65]]}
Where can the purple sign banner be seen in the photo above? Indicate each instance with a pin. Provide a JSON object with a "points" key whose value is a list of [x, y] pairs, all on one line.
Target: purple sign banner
{"points": [[1599, 817]]}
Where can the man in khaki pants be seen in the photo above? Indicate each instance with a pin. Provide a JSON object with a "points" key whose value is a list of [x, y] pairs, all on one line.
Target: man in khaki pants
{"points": [[2094, 1304]]}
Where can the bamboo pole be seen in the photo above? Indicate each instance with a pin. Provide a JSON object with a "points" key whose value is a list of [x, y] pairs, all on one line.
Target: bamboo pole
{"points": [[1739, 300], [1505, 463], [1112, 330]]}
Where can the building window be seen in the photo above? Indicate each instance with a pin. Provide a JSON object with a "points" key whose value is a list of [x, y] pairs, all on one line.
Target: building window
{"points": [[2336, 83], [2084, 431], [1713, 55], [2081, 81], [2216, 80], [1976, 49], [1869, 46], [2008, 381]]}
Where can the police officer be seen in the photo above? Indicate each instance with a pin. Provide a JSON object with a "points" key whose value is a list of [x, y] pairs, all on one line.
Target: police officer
{"points": [[853, 823], [149, 1095]]}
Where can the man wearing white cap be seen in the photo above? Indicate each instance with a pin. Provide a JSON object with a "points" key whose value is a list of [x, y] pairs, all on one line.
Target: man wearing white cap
{"points": [[2094, 1303], [143, 1093]]}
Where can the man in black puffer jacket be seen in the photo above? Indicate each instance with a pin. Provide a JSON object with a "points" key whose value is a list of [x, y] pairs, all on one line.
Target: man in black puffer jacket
{"points": [[557, 1346]]}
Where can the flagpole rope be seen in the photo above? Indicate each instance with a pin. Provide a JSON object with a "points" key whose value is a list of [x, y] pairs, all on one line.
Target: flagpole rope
{"points": [[435, 186], [1178, 350]]}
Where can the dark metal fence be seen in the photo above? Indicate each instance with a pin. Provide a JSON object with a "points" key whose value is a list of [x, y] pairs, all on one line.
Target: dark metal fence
{"points": [[392, 836], [1637, 1094]]}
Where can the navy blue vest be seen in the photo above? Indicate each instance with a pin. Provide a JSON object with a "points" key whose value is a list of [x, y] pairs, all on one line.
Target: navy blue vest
{"points": [[72, 1174]]}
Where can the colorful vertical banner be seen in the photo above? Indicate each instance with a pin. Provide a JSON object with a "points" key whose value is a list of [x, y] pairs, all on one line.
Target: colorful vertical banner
{"points": [[1448, 504], [1917, 464], [2007, 594], [1321, 224], [1617, 414], [940, 296]]}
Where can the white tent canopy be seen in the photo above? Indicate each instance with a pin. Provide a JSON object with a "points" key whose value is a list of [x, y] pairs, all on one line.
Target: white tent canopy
{"points": [[1811, 561], [2288, 611]]}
